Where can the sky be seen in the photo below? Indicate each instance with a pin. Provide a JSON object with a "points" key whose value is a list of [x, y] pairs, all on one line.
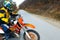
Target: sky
{"points": [[18, 2]]}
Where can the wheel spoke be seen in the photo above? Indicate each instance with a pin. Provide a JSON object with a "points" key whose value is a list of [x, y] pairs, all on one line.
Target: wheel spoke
{"points": [[32, 35]]}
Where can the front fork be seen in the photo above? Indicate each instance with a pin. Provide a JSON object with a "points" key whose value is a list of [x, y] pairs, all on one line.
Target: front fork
{"points": [[25, 31]]}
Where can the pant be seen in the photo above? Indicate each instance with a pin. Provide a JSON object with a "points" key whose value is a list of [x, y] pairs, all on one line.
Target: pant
{"points": [[6, 30], [5, 27]]}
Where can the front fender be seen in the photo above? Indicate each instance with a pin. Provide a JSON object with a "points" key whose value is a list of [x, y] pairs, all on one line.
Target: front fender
{"points": [[29, 25]]}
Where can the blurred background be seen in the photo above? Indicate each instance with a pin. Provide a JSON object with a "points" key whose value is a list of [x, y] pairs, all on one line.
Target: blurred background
{"points": [[47, 8]]}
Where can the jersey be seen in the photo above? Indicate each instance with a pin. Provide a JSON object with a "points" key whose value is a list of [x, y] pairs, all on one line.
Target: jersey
{"points": [[4, 15]]}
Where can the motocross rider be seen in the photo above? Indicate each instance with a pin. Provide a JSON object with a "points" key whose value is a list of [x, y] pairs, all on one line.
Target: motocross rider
{"points": [[5, 13]]}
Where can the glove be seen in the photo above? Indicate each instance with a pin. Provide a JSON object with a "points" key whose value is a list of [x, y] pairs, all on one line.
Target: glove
{"points": [[15, 22]]}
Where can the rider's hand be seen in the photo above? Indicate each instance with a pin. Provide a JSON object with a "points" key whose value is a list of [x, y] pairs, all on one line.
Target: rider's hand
{"points": [[15, 22]]}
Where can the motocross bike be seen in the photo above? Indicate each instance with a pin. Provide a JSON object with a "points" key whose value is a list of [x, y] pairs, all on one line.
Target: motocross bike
{"points": [[29, 34]]}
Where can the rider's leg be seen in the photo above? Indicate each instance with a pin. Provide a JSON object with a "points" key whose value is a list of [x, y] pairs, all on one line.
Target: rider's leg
{"points": [[6, 30], [4, 27]]}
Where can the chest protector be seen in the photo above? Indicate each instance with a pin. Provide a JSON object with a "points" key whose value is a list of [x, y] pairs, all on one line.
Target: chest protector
{"points": [[4, 15]]}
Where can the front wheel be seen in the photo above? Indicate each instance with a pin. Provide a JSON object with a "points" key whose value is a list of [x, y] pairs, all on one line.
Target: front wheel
{"points": [[33, 34]]}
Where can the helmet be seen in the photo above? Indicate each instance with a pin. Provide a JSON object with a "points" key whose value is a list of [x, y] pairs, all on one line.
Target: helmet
{"points": [[7, 4], [10, 5]]}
